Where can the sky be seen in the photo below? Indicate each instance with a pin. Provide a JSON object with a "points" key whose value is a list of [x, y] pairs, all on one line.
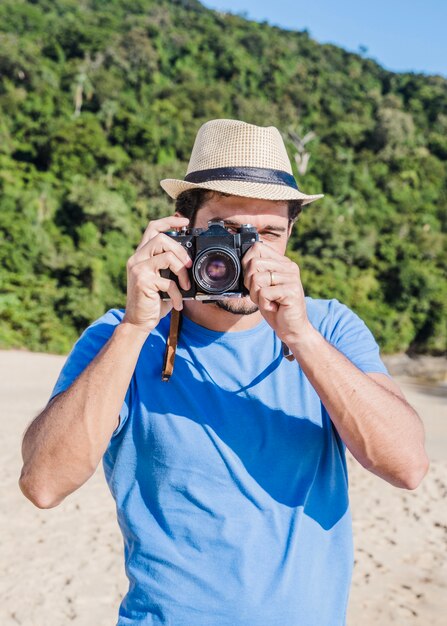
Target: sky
{"points": [[401, 35]]}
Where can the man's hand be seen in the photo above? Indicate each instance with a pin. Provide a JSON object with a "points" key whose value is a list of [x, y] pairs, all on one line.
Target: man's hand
{"points": [[275, 287], [157, 251]]}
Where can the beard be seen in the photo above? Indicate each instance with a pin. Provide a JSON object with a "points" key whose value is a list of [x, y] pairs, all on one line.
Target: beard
{"points": [[237, 306]]}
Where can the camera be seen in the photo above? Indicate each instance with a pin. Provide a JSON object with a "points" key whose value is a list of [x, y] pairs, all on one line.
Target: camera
{"points": [[216, 254]]}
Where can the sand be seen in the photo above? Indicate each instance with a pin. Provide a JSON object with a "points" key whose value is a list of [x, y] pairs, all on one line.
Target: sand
{"points": [[65, 565]]}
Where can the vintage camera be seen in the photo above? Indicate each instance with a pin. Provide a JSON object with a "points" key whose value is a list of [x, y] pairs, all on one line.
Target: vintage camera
{"points": [[216, 254]]}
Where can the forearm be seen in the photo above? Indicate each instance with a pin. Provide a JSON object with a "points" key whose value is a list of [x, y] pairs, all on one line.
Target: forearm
{"points": [[64, 444], [381, 430]]}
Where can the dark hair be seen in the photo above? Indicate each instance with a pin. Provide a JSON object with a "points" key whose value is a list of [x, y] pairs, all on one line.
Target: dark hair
{"points": [[190, 201]]}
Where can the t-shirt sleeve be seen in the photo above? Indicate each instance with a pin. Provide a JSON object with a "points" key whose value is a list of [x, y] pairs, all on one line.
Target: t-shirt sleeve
{"points": [[85, 350], [352, 337]]}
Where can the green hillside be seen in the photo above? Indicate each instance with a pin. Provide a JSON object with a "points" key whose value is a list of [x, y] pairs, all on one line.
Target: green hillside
{"points": [[100, 99]]}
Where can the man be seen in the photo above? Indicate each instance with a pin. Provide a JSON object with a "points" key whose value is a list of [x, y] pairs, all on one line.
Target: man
{"points": [[230, 480]]}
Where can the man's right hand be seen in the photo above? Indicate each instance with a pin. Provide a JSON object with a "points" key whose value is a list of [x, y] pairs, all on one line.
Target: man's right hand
{"points": [[65, 442], [156, 251]]}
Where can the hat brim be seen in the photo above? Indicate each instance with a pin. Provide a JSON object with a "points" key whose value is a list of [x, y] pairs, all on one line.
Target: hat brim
{"points": [[258, 191]]}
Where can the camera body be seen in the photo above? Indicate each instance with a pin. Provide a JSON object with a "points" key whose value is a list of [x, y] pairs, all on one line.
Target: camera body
{"points": [[216, 254]]}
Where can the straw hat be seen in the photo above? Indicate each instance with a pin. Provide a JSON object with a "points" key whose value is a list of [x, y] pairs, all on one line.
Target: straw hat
{"points": [[240, 159]]}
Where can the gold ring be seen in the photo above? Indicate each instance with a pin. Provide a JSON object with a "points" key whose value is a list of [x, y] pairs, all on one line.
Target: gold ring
{"points": [[272, 278]]}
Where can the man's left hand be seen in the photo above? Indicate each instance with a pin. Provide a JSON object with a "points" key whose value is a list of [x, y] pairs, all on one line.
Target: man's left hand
{"points": [[275, 287]]}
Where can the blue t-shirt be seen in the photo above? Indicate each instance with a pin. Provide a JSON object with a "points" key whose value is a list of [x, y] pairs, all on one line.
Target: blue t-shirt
{"points": [[230, 481]]}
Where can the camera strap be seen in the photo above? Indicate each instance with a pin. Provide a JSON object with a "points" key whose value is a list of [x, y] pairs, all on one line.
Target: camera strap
{"points": [[171, 345], [286, 352]]}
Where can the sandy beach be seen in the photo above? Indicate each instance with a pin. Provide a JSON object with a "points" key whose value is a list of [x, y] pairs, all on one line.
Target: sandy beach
{"points": [[65, 565]]}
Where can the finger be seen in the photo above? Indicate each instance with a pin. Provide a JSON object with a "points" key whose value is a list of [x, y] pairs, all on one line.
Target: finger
{"points": [[278, 266], [167, 261], [157, 245], [176, 297], [158, 284], [269, 298], [169, 287], [160, 226], [261, 265], [261, 250], [260, 280]]}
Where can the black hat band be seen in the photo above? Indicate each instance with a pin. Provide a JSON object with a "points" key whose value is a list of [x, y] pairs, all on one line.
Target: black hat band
{"points": [[244, 174]]}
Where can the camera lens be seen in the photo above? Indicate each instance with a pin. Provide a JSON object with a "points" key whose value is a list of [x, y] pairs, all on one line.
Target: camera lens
{"points": [[216, 270]]}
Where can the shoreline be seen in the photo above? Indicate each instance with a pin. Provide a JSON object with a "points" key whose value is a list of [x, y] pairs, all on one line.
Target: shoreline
{"points": [[426, 368]]}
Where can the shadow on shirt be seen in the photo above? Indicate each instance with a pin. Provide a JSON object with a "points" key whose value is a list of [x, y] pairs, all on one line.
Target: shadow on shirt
{"points": [[195, 438]]}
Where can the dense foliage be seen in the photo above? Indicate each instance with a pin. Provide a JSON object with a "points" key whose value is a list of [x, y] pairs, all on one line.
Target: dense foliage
{"points": [[100, 99]]}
